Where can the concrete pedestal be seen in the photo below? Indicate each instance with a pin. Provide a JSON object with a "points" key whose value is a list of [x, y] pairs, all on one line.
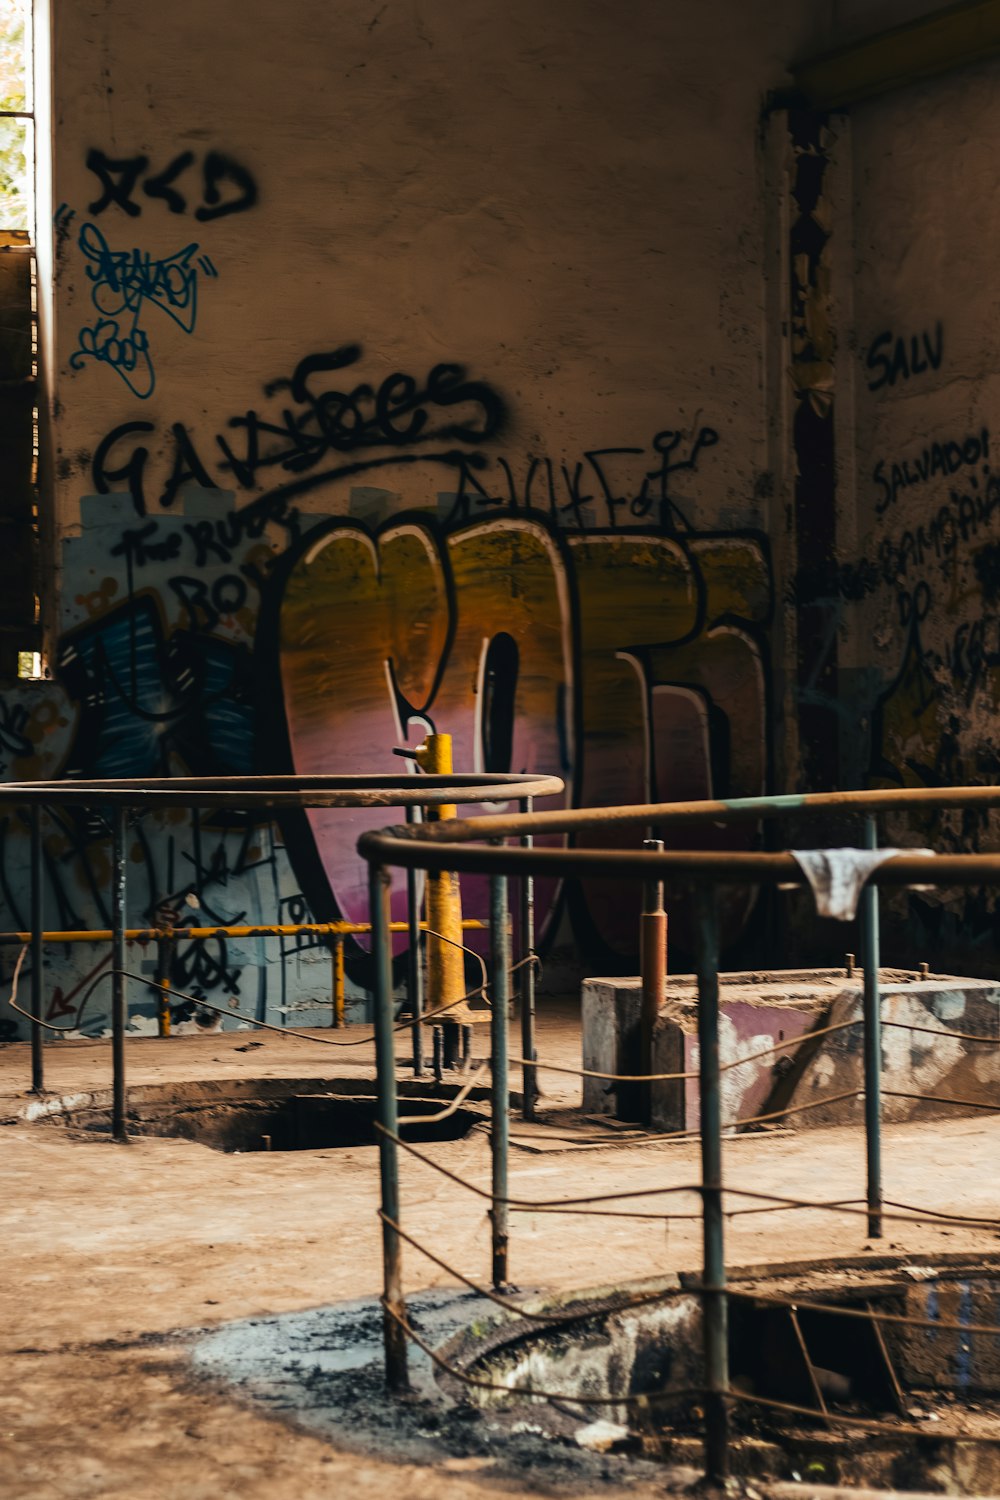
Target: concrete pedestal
{"points": [[758, 1009]]}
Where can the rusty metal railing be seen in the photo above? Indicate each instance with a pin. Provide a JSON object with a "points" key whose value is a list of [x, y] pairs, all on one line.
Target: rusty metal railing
{"points": [[119, 798], [333, 932], [476, 845]]}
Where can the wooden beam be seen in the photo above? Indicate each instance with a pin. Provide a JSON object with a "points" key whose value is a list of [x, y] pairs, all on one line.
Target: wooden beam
{"points": [[933, 44]]}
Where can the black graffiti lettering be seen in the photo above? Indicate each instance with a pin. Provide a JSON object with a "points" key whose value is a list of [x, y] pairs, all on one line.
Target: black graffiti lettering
{"points": [[244, 470], [938, 459], [118, 178], [397, 415], [193, 595], [934, 354], [206, 541], [666, 443], [517, 498], [187, 465], [137, 548], [913, 356], [203, 965], [132, 471], [877, 360], [316, 364], [899, 365], [219, 168], [160, 186], [396, 397], [447, 386], [577, 501], [915, 605], [468, 485], [967, 518], [614, 502], [707, 437], [252, 520], [207, 604], [341, 421]]}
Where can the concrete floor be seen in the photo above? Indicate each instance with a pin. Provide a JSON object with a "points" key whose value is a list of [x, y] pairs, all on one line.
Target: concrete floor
{"points": [[115, 1258]]}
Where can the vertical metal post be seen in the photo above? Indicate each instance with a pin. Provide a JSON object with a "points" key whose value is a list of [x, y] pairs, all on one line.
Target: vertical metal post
{"points": [[500, 1095], [653, 968], [37, 974], [414, 966], [379, 886], [445, 937], [529, 1073], [164, 957], [337, 978], [872, 1011], [119, 1010], [714, 1302]]}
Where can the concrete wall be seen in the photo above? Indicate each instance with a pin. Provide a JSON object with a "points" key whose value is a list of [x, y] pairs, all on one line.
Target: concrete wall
{"points": [[646, 437], [919, 577], [496, 269]]}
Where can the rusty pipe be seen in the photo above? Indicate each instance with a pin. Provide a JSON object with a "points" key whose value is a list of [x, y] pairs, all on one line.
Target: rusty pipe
{"points": [[653, 969]]}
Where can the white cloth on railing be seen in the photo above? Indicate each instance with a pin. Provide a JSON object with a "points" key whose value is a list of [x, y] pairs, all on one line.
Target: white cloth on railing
{"points": [[837, 876]]}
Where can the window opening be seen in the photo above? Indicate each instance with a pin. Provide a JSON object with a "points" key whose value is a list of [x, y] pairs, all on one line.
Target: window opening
{"points": [[17, 143], [19, 519]]}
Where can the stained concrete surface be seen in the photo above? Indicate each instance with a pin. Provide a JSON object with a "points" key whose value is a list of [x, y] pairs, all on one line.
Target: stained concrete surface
{"points": [[120, 1261]]}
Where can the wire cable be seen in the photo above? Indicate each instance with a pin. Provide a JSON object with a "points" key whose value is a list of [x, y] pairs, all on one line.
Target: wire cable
{"points": [[904, 1320], [864, 1424], [736, 1062], [450, 1108], [623, 1302]]}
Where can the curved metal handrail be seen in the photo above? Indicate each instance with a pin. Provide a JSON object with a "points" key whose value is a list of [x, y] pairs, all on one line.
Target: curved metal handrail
{"points": [[477, 845], [389, 790], [458, 845], [397, 846]]}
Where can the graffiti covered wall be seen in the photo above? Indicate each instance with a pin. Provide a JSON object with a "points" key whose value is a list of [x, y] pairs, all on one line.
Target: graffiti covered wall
{"points": [[918, 583], [365, 420]]}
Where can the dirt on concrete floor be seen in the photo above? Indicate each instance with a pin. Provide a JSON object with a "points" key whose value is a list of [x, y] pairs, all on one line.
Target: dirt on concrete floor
{"points": [[117, 1258]]}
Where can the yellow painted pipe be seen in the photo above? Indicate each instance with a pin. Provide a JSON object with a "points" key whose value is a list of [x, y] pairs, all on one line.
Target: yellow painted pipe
{"points": [[338, 980], [445, 960], [151, 934], [163, 1014]]}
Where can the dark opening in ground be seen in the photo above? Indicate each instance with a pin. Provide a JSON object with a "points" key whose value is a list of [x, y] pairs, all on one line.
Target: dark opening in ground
{"points": [[882, 1372], [283, 1114]]}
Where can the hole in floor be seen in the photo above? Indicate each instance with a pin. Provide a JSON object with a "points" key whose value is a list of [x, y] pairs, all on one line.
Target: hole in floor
{"points": [[282, 1114], [894, 1383]]}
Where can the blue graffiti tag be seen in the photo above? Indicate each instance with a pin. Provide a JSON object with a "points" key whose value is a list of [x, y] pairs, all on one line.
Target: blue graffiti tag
{"points": [[123, 283]]}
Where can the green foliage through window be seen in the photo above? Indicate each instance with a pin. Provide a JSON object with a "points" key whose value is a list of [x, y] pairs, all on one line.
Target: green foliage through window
{"points": [[16, 141]]}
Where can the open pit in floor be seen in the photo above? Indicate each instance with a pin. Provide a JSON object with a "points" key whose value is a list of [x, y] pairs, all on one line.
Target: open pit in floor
{"points": [[274, 1114], [881, 1405]]}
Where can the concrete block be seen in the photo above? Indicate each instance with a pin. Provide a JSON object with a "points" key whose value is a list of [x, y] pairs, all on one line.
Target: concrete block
{"points": [[758, 1010], [914, 1062]]}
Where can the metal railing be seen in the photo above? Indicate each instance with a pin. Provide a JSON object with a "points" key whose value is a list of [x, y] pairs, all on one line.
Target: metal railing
{"points": [[119, 799], [477, 845], [165, 935]]}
